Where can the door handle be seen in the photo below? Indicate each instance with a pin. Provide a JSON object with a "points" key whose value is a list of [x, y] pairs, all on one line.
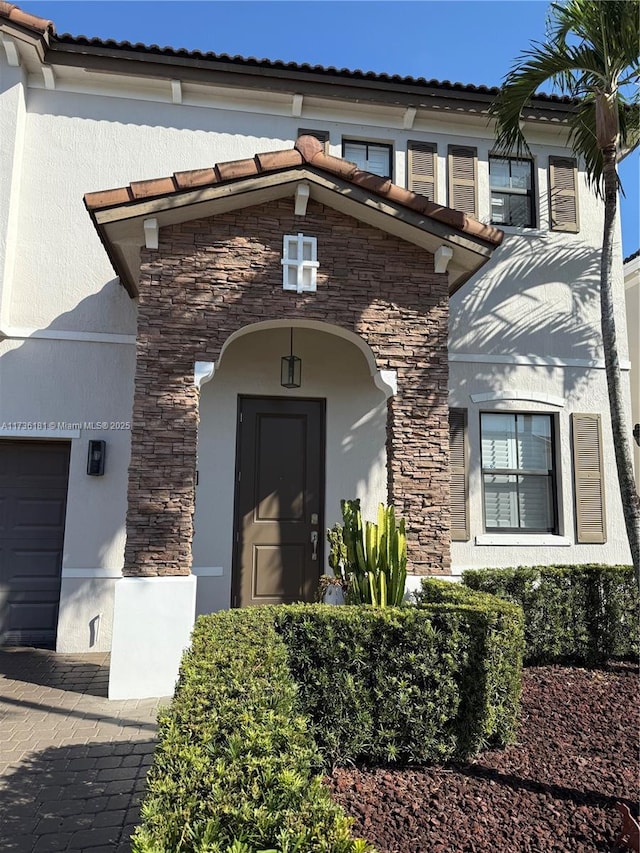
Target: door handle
{"points": [[314, 542]]}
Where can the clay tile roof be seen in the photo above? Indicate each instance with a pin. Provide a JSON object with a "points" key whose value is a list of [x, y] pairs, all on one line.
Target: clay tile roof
{"points": [[418, 85], [15, 14], [307, 150]]}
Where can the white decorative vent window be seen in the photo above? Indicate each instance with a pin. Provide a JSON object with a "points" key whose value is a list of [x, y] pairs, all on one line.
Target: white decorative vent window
{"points": [[299, 262]]}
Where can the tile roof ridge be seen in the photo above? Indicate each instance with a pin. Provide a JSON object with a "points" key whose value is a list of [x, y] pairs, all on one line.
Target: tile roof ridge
{"points": [[15, 14], [309, 151]]}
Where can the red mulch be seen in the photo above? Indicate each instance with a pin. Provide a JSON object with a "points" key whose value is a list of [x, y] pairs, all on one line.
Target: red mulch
{"points": [[553, 791]]}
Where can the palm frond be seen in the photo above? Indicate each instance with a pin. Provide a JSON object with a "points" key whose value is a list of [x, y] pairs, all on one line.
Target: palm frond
{"points": [[574, 70], [591, 50], [629, 127]]}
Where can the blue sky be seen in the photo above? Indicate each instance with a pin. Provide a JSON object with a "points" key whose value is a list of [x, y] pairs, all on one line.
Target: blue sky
{"points": [[470, 41]]}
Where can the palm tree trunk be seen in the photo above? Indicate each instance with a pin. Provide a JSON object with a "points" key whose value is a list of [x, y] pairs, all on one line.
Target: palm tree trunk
{"points": [[619, 425]]}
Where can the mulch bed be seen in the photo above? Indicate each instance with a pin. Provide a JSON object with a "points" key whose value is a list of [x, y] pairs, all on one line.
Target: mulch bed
{"points": [[553, 791]]}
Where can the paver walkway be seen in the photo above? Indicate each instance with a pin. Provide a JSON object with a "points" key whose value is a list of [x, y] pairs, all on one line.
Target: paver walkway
{"points": [[72, 763]]}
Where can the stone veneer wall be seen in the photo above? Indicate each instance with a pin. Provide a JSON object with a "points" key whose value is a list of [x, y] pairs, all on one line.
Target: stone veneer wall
{"points": [[211, 277]]}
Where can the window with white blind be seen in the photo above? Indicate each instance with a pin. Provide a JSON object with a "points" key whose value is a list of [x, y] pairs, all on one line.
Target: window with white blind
{"points": [[511, 185], [369, 157], [518, 476]]}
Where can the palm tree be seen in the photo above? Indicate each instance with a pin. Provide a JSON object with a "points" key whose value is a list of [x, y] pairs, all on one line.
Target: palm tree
{"points": [[591, 53]]}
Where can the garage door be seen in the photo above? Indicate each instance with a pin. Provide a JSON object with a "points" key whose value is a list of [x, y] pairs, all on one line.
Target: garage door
{"points": [[33, 496]]}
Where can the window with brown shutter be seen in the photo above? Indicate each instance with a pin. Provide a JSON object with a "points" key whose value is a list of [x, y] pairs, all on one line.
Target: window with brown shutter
{"points": [[563, 195], [588, 479], [421, 169], [320, 135], [458, 468], [463, 179]]}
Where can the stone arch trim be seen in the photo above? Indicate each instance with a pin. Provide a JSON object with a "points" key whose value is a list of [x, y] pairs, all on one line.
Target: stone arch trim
{"points": [[213, 279]]}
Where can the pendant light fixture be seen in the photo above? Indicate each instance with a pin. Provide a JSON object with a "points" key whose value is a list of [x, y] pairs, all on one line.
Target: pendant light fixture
{"points": [[290, 368]]}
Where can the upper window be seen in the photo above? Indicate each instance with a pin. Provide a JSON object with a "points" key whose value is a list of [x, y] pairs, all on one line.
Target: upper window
{"points": [[369, 157], [518, 472], [511, 186]]}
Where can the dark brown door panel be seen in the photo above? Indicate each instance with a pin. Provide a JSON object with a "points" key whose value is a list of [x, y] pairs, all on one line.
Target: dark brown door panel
{"points": [[279, 500]]}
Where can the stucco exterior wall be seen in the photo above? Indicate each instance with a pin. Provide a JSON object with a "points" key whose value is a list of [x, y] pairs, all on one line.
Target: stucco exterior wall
{"points": [[86, 134], [557, 391], [632, 304], [75, 392]]}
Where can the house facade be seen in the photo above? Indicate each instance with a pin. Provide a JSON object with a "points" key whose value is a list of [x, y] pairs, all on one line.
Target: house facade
{"points": [[177, 230]]}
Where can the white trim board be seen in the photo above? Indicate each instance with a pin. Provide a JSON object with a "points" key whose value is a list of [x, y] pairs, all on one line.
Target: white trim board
{"points": [[529, 396], [532, 539], [24, 334], [106, 572], [40, 433], [533, 360]]}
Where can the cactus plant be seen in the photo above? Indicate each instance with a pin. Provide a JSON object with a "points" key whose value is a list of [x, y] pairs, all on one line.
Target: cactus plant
{"points": [[371, 559]]}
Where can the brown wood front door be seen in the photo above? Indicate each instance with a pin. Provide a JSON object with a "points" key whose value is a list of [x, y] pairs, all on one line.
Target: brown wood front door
{"points": [[279, 501]]}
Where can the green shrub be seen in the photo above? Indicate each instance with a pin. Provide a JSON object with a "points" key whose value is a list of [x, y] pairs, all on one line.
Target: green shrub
{"points": [[269, 696], [235, 769], [412, 684], [582, 614], [491, 677]]}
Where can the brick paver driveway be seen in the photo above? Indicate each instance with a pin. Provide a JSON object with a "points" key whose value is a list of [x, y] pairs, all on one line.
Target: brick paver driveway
{"points": [[72, 763]]}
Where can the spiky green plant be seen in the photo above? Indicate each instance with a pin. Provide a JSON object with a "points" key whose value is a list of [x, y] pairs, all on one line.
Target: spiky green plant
{"points": [[372, 558]]}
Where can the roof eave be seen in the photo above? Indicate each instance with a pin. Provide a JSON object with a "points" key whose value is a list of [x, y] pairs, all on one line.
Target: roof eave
{"points": [[327, 83], [121, 226]]}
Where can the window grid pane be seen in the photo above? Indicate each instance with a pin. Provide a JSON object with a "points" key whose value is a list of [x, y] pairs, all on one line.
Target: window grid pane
{"points": [[518, 477], [511, 185], [369, 157]]}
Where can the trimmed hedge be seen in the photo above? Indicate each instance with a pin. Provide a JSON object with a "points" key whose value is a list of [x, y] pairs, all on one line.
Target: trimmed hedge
{"points": [[580, 614], [387, 685], [267, 697], [235, 769], [491, 672]]}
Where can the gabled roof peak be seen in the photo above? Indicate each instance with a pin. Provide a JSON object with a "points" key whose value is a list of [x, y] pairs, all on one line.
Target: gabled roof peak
{"points": [[307, 151]]}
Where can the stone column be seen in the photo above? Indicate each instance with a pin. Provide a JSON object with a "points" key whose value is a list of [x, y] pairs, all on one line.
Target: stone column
{"points": [[154, 608]]}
